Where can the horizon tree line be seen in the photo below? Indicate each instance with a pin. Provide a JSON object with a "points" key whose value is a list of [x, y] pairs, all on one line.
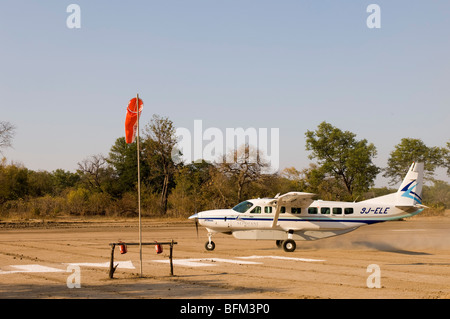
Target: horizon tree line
{"points": [[342, 169]]}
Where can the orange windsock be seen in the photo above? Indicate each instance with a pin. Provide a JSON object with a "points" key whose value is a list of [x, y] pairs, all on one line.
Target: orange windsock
{"points": [[131, 120]]}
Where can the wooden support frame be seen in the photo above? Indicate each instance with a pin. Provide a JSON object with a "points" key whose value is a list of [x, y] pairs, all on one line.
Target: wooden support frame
{"points": [[112, 268]]}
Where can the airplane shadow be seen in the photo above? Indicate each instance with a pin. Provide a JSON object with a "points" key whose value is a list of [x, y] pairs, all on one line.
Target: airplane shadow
{"points": [[389, 248], [422, 264], [199, 275]]}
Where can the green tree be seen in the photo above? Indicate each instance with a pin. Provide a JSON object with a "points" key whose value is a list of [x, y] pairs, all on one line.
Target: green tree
{"points": [[315, 179], [341, 156], [13, 182], [77, 201], [159, 141], [189, 196], [219, 191], [63, 180], [293, 178], [123, 158], [247, 166], [40, 183], [437, 195], [413, 150], [95, 173]]}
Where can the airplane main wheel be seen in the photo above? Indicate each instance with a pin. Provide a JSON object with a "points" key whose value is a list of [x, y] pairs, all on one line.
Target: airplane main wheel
{"points": [[289, 245], [210, 246], [279, 243]]}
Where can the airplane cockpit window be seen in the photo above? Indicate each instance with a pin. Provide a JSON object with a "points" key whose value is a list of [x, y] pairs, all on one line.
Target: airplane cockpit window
{"points": [[256, 210], [242, 207]]}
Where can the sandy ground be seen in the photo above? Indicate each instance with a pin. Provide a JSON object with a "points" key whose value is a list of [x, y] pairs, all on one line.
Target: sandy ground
{"points": [[412, 256]]}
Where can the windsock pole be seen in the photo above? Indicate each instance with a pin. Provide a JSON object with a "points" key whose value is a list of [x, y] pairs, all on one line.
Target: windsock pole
{"points": [[139, 186]]}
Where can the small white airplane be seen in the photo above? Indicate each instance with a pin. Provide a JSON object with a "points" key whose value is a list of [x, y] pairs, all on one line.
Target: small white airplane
{"points": [[296, 216]]}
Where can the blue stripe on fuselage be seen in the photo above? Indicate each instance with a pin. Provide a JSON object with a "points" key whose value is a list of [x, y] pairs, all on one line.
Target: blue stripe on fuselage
{"points": [[372, 221]]}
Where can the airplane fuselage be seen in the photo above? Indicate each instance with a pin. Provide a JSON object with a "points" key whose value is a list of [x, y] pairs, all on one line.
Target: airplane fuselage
{"points": [[321, 219]]}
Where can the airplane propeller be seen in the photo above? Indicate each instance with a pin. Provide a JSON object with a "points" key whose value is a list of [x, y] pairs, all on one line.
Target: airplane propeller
{"points": [[196, 225], [195, 218]]}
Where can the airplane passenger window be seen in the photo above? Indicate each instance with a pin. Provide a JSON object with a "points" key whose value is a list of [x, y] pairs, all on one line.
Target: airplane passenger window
{"points": [[348, 211], [242, 207], [256, 210], [337, 211], [295, 210], [267, 209], [312, 210], [282, 210], [325, 210]]}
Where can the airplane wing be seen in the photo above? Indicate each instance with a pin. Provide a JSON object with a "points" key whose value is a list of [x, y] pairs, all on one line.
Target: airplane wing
{"points": [[298, 199]]}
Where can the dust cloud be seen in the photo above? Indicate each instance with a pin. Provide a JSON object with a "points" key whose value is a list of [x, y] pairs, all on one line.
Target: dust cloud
{"points": [[396, 237]]}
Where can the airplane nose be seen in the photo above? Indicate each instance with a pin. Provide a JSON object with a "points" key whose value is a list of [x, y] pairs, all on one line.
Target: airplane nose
{"points": [[193, 216]]}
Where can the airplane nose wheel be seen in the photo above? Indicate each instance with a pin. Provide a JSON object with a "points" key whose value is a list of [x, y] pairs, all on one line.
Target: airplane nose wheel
{"points": [[210, 245]]}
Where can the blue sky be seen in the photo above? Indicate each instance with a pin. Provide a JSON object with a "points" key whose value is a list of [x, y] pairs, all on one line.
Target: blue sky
{"points": [[271, 64]]}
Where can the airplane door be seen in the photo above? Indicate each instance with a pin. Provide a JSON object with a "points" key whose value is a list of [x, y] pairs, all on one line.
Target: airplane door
{"points": [[227, 220]]}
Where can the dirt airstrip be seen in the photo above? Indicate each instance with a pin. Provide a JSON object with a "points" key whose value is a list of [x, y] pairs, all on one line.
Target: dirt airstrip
{"points": [[410, 259]]}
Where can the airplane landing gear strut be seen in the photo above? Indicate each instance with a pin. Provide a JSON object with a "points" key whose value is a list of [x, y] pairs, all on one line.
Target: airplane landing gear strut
{"points": [[210, 244]]}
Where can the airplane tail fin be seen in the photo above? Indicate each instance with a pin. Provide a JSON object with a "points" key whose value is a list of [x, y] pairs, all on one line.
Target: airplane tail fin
{"points": [[410, 191]]}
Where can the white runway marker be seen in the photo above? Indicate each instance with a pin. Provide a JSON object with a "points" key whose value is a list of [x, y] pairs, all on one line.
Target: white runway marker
{"points": [[231, 261], [185, 262], [121, 264], [206, 262], [30, 269], [39, 268]]}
